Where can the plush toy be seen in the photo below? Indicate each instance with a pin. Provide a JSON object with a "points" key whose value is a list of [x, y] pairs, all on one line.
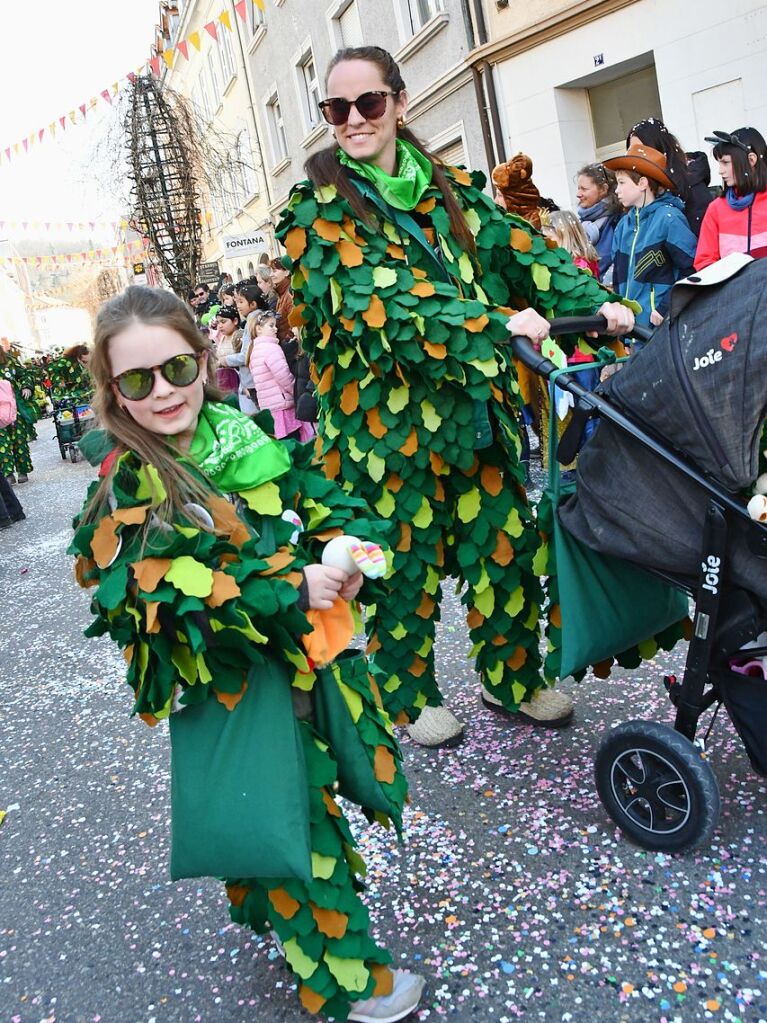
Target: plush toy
{"points": [[514, 180], [757, 506], [354, 555]]}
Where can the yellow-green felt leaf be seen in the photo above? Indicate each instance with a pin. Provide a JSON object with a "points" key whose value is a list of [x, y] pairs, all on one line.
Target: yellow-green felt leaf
{"points": [[398, 399], [351, 974], [264, 499], [323, 866], [384, 277], [469, 505], [189, 576], [298, 959]]}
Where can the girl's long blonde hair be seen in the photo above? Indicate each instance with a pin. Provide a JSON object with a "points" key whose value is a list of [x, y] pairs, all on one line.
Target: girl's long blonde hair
{"points": [[569, 234], [153, 307]]}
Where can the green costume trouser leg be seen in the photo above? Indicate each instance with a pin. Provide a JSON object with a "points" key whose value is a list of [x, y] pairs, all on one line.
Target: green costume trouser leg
{"points": [[324, 925], [14, 450], [479, 528]]}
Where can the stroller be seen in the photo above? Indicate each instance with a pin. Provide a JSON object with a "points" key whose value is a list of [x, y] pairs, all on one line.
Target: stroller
{"points": [[657, 516], [72, 418]]}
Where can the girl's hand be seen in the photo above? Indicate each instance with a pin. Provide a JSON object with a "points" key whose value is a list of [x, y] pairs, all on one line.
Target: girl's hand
{"points": [[323, 584], [656, 318], [620, 319], [529, 324], [26, 393], [351, 587]]}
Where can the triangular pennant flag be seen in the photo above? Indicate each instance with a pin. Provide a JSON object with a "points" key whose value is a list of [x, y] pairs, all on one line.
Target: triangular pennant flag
{"points": [[131, 76], [106, 95], [91, 224], [63, 120], [25, 143], [167, 56], [115, 88], [8, 153], [40, 134], [69, 257], [93, 102], [211, 29], [154, 64], [52, 127], [15, 147], [32, 139], [194, 39], [47, 226], [24, 225], [73, 116], [183, 48], [241, 9], [225, 19], [70, 226], [82, 109], [259, 4]]}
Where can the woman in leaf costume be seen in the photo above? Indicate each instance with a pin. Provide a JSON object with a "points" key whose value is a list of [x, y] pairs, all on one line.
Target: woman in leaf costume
{"points": [[15, 456], [405, 277], [208, 598], [69, 374]]}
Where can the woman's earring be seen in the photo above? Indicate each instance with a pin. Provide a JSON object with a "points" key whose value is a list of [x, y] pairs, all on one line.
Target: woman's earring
{"points": [[400, 122]]}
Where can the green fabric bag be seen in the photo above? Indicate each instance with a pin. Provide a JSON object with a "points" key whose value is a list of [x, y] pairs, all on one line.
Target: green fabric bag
{"points": [[239, 793], [356, 777]]}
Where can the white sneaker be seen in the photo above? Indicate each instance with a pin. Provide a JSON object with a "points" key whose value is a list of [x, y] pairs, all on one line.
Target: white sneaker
{"points": [[436, 728], [405, 996], [548, 708]]}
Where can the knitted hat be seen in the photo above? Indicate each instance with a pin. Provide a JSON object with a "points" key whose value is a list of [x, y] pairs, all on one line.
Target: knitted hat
{"points": [[644, 160]]}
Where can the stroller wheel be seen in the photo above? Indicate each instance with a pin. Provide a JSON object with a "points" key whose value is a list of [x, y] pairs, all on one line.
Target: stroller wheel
{"points": [[656, 787]]}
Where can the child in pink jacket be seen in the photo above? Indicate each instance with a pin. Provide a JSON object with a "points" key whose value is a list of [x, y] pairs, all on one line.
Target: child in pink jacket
{"points": [[273, 380]]}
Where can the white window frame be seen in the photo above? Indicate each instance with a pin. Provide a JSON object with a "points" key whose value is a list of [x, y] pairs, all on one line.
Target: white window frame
{"points": [[334, 14], [211, 60], [448, 137], [308, 87], [247, 169], [410, 20], [278, 141], [227, 55], [203, 87]]}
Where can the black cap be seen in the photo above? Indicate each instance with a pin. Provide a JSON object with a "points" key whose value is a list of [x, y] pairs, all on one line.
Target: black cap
{"points": [[748, 139]]}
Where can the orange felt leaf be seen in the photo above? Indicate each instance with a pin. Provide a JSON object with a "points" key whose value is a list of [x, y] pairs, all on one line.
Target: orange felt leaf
{"points": [[406, 536], [330, 804], [416, 271], [350, 397], [326, 380], [349, 253], [331, 465], [84, 566], [375, 691], [439, 552], [224, 588], [296, 315], [128, 653], [411, 444], [226, 520], [521, 240], [497, 393], [476, 324], [328, 534], [285, 904], [439, 491], [426, 607], [375, 314], [310, 1000], [418, 667], [395, 251], [461, 176], [294, 578], [149, 572], [555, 616], [346, 323], [384, 980], [491, 479], [403, 718], [131, 516], [374, 644], [237, 893], [435, 351], [351, 229], [152, 625], [327, 229], [427, 205], [602, 670], [437, 463], [475, 618], [394, 483], [423, 289], [149, 719], [517, 659], [295, 242], [384, 765], [330, 922], [325, 334], [504, 552], [375, 426], [230, 700], [278, 561], [105, 543], [499, 640]]}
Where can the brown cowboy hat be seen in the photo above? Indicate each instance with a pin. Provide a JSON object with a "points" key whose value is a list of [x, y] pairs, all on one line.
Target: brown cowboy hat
{"points": [[643, 160]]}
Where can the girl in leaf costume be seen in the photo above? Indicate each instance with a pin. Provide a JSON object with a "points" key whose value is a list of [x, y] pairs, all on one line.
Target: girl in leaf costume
{"points": [[208, 599], [405, 277], [15, 456]]}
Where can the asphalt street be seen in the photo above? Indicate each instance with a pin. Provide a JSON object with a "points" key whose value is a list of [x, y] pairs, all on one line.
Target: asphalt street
{"points": [[514, 894]]}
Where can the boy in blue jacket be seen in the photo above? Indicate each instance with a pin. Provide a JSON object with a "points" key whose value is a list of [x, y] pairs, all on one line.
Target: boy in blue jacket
{"points": [[653, 245]]}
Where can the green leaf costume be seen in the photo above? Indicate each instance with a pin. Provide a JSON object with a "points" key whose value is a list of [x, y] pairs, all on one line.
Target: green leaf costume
{"points": [[14, 440], [197, 611], [418, 405]]}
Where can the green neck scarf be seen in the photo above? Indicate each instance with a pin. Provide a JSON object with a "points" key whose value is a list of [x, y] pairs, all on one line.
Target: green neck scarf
{"points": [[233, 452], [403, 192]]}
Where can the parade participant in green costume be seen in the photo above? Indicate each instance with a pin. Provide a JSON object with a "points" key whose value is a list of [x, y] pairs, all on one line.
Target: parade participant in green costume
{"points": [[15, 457], [209, 600], [405, 278], [69, 374]]}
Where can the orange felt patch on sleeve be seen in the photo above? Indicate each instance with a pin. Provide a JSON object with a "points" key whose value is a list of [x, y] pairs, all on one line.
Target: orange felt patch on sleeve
{"points": [[375, 691], [310, 1000], [237, 893], [84, 566], [418, 273], [491, 479], [296, 316], [426, 607], [384, 979], [375, 425], [520, 240], [427, 205], [324, 334], [346, 323], [327, 229], [152, 624], [330, 804], [230, 700], [149, 719], [435, 351], [375, 314], [224, 588], [373, 645], [351, 229], [227, 521], [149, 572], [128, 653], [330, 922], [411, 443], [394, 483], [423, 289], [278, 561], [332, 632], [403, 718], [439, 491], [350, 397], [461, 176], [517, 659], [555, 616], [437, 463], [131, 516], [406, 537], [384, 765], [418, 667], [295, 242], [104, 544], [283, 903], [475, 324], [504, 552], [326, 380], [349, 253], [475, 618], [395, 251], [499, 640], [331, 464]]}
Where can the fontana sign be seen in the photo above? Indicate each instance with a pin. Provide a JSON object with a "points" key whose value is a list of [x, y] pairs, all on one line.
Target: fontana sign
{"points": [[245, 244]]}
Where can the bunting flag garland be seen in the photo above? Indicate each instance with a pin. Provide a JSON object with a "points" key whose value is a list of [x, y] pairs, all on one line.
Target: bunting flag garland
{"points": [[108, 253], [78, 115], [59, 227]]}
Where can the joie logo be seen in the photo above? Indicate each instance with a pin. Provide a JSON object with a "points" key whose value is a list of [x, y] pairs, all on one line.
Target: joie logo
{"points": [[725, 345], [710, 569]]}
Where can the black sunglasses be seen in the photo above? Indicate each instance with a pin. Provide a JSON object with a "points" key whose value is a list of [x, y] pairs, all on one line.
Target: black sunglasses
{"points": [[370, 105], [179, 370]]}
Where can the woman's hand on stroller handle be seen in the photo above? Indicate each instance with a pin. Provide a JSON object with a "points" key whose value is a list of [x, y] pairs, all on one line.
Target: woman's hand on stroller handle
{"points": [[619, 320]]}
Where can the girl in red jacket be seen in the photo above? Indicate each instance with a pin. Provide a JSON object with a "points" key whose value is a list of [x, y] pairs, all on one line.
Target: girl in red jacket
{"points": [[738, 221], [273, 380]]}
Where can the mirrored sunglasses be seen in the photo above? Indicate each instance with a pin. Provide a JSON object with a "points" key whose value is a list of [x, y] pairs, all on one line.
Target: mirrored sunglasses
{"points": [[370, 105], [179, 370]]}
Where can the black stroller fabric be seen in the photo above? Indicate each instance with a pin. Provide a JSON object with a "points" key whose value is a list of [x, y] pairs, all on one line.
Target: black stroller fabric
{"points": [[699, 387]]}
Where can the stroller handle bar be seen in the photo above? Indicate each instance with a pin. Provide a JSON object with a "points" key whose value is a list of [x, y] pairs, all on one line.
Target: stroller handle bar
{"points": [[528, 356]]}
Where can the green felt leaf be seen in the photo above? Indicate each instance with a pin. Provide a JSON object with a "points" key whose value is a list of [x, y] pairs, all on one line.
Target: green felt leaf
{"points": [[299, 962], [185, 661], [487, 367], [541, 276], [398, 398], [472, 219], [551, 350], [513, 524], [424, 515], [495, 674], [469, 505], [189, 576], [398, 632], [384, 277], [376, 467], [323, 866], [111, 592], [390, 231], [150, 485], [265, 499], [351, 974], [465, 268], [325, 193], [431, 420], [336, 295], [353, 701], [541, 559], [385, 505], [485, 602], [515, 603], [345, 358], [518, 691]]}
